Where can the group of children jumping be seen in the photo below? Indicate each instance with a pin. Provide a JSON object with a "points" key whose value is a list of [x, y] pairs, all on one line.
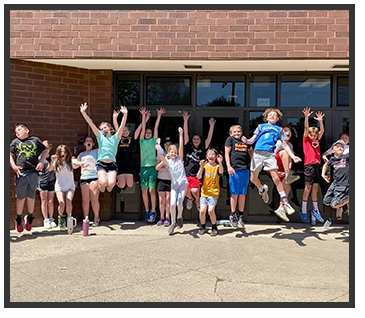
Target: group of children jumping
{"points": [[187, 171]]}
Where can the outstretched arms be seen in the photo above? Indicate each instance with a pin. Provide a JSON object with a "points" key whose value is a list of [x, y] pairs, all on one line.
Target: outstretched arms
{"points": [[307, 112], [319, 118], [143, 111], [181, 143], [160, 112], [124, 110], [186, 128], [93, 127], [210, 133]]}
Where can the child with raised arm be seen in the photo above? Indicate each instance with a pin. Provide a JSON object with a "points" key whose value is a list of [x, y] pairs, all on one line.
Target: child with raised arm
{"points": [[238, 157], [24, 160], [108, 147], [210, 171], [266, 136], [337, 194], [148, 172], [194, 152], [312, 161], [175, 164]]}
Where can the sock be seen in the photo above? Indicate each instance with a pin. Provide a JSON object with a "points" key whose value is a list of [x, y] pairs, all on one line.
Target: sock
{"points": [[30, 217], [304, 207], [18, 219], [261, 189], [315, 205], [214, 226], [240, 213], [283, 196], [202, 226]]}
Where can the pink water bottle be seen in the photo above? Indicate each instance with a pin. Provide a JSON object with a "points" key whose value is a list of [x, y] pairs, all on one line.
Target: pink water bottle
{"points": [[85, 226]]}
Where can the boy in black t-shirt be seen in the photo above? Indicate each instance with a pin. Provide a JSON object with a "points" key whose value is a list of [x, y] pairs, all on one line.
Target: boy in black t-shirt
{"points": [[24, 153], [238, 157], [337, 194]]}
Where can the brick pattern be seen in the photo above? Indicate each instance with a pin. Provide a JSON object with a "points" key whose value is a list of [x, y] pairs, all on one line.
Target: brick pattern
{"points": [[231, 34], [47, 98]]}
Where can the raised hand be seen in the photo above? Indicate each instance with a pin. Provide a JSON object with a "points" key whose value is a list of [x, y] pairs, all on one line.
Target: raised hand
{"points": [[54, 157], [211, 121], [143, 110], [307, 112], [124, 110], [148, 115], [161, 111], [83, 107], [180, 131], [116, 113], [186, 116], [202, 163], [158, 141], [220, 159], [320, 116]]}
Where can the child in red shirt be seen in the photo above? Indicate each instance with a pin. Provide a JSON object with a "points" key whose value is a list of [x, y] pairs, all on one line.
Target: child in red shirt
{"points": [[312, 161]]}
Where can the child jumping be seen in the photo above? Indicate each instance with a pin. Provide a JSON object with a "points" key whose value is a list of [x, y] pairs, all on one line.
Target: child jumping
{"points": [[179, 184], [266, 136], [108, 146], [238, 157], [210, 170], [345, 137], [312, 161]]}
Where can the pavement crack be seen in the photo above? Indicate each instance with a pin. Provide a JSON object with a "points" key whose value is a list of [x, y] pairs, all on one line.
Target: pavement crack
{"points": [[334, 299], [217, 280]]}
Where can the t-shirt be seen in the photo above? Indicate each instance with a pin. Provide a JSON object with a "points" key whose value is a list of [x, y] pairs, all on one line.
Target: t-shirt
{"points": [[65, 178], [27, 152], [210, 187], [312, 151], [240, 159], [125, 151], [341, 167], [108, 146], [89, 158], [148, 152], [267, 136], [279, 146], [177, 172], [45, 175], [163, 173], [192, 159]]}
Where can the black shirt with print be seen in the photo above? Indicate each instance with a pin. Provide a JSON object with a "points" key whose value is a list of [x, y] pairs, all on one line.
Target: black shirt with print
{"points": [[192, 159], [125, 151], [240, 158], [341, 167]]}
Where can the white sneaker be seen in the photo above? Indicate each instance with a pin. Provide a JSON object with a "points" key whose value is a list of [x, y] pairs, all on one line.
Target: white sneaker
{"points": [[290, 178], [288, 208], [264, 194], [189, 203], [280, 212], [47, 224], [52, 222]]}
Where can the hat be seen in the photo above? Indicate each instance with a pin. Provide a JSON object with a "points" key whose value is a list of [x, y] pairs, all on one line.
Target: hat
{"points": [[339, 142], [167, 139]]}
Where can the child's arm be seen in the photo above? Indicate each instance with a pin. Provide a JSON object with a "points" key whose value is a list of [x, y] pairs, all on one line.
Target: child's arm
{"points": [[138, 130], [40, 164], [83, 109], [158, 147], [227, 150], [324, 170], [307, 112], [115, 119], [220, 162], [181, 143], [162, 158], [51, 165], [290, 153], [210, 133], [186, 128], [201, 169], [319, 118], [143, 129], [160, 112], [124, 110], [13, 165], [159, 166], [250, 141], [77, 163]]}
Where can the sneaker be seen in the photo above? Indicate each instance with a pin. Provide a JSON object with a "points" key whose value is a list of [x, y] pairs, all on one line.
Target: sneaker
{"points": [[96, 222], [28, 223], [152, 217], [339, 214], [240, 221], [201, 231], [280, 212], [47, 224], [214, 232], [264, 193], [166, 223], [62, 222], [303, 216], [189, 203], [290, 178], [317, 215], [52, 222], [288, 208], [20, 227], [233, 220], [198, 205], [180, 222], [171, 228], [146, 215], [161, 222]]}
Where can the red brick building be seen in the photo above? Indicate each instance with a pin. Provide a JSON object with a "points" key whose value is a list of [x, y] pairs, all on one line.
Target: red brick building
{"points": [[286, 59]]}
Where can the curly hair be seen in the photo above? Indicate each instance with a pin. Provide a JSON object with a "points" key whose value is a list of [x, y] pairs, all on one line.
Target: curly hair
{"points": [[269, 110]]}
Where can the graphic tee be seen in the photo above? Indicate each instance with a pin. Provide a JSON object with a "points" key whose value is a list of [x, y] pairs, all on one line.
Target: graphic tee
{"points": [[312, 151], [210, 187], [148, 152], [125, 151], [267, 136], [89, 158], [192, 159], [341, 166], [27, 152], [240, 159]]}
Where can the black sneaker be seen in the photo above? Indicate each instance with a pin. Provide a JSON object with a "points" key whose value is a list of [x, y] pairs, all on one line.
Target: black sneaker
{"points": [[233, 220], [214, 232]]}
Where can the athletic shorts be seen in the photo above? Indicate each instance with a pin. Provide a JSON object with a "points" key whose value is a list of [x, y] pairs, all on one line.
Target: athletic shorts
{"points": [[148, 178], [87, 181], [26, 184], [193, 182], [107, 167], [163, 185], [124, 169], [263, 160], [280, 166], [46, 185], [239, 181], [209, 201], [311, 173], [336, 195]]}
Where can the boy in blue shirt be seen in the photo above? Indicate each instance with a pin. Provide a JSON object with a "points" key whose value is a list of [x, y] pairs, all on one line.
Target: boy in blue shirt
{"points": [[266, 136]]}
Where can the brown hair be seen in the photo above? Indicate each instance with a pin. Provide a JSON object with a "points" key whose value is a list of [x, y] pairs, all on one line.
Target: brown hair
{"points": [[212, 150], [59, 163], [269, 110], [313, 130], [21, 125], [112, 131], [344, 133]]}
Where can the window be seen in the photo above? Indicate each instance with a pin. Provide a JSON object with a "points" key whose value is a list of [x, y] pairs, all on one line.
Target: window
{"points": [[221, 90], [128, 90], [305, 91], [263, 91], [168, 90], [343, 91]]}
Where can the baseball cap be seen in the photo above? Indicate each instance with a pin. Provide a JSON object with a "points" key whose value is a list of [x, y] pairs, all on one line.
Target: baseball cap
{"points": [[339, 142], [167, 139]]}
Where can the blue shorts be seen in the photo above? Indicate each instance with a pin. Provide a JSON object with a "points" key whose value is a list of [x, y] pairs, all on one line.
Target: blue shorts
{"points": [[239, 181]]}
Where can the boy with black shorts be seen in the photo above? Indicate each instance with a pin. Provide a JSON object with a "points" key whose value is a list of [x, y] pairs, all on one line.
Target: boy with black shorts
{"points": [[24, 154]]}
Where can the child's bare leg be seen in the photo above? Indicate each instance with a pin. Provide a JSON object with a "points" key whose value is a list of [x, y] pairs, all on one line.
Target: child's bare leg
{"points": [[285, 158], [94, 198], [307, 190], [153, 199], [44, 203], [112, 179], [314, 193], [167, 206], [233, 202], [121, 181], [20, 206], [287, 188], [202, 213], [241, 202], [189, 195], [61, 202], [129, 180], [103, 180], [255, 179], [30, 204], [196, 193], [162, 203], [145, 199], [85, 199], [50, 203], [213, 217], [69, 198]]}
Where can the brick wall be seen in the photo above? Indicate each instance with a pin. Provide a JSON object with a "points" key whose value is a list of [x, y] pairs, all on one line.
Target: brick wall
{"points": [[231, 34], [47, 98]]}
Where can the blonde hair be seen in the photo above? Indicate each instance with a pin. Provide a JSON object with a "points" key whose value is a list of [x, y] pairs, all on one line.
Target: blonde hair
{"points": [[172, 147], [112, 131], [313, 131], [233, 127], [269, 110]]}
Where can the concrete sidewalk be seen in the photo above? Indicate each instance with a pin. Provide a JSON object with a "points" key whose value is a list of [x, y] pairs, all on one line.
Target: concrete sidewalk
{"points": [[138, 262]]}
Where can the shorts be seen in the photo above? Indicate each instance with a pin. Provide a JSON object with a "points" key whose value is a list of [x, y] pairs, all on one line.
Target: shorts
{"points": [[193, 182], [163, 185], [46, 185], [239, 181], [107, 167], [209, 201], [148, 178], [311, 173], [280, 166], [263, 160], [336, 195], [26, 184], [124, 169], [87, 181]]}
